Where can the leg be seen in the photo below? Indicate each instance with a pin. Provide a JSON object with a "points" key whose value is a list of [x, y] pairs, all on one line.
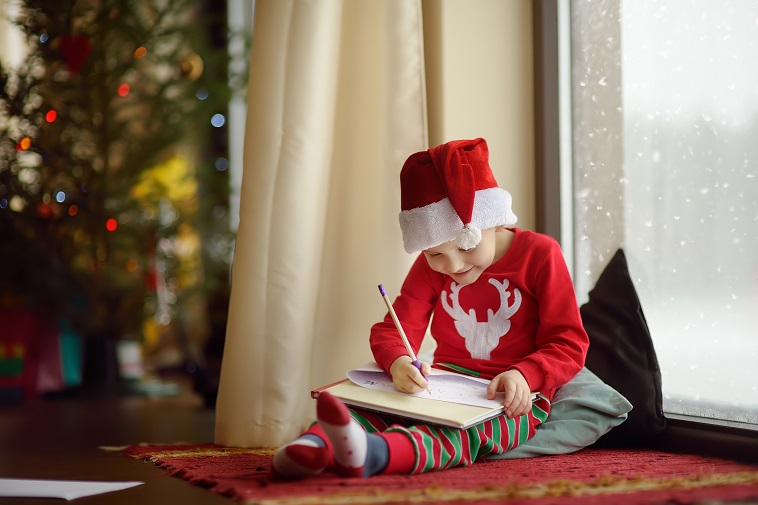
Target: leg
{"points": [[439, 447], [356, 452]]}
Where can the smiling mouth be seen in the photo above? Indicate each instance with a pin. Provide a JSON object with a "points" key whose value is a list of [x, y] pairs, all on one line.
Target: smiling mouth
{"points": [[461, 274]]}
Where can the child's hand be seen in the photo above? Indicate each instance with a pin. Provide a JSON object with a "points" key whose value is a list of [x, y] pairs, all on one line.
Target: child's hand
{"points": [[518, 397], [406, 378]]}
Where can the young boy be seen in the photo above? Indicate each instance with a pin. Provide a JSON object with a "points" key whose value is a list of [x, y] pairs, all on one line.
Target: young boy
{"points": [[502, 307]]}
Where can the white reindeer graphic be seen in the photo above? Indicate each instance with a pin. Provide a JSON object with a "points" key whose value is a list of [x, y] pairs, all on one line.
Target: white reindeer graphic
{"points": [[482, 337]]}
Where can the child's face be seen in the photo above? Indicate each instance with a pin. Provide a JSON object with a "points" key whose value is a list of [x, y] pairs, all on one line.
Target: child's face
{"points": [[464, 267]]}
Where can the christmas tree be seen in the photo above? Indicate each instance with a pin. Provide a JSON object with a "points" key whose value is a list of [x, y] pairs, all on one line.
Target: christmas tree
{"points": [[113, 188]]}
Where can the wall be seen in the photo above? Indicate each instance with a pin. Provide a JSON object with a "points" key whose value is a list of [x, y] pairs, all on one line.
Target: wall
{"points": [[480, 83]]}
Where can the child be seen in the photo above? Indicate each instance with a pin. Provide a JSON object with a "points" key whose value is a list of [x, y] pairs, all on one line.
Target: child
{"points": [[502, 307]]}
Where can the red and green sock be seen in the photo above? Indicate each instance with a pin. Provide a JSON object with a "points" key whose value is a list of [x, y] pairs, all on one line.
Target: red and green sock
{"points": [[340, 442]]}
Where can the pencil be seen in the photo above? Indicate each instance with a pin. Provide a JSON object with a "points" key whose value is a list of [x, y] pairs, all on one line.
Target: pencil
{"points": [[414, 360]]}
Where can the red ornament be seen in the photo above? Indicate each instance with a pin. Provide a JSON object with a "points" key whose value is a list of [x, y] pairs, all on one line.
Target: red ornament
{"points": [[75, 50], [44, 210]]}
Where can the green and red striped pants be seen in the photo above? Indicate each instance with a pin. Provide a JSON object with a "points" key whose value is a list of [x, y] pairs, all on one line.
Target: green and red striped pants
{"points": [[439, 447]]}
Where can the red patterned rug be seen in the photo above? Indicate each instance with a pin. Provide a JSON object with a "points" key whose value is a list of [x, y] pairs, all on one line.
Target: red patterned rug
{"points": [[590, 476]]}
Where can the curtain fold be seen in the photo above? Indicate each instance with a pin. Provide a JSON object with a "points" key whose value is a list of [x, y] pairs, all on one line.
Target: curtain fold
{"points": [[336, 102]]}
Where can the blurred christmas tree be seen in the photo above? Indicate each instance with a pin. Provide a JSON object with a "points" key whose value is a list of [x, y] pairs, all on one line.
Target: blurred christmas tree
{"points": [[113, 190]]}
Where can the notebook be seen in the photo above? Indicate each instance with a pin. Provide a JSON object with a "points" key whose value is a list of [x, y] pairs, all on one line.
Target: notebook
{"points": [[454, 400]]}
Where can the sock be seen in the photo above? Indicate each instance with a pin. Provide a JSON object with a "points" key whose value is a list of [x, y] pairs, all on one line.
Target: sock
{"points": [[305, 456], [356, 453], [377, 455], [402, 454]]}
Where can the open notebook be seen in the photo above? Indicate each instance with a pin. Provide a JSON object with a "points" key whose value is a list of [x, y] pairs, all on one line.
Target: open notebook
{"points": [[454, 400]]}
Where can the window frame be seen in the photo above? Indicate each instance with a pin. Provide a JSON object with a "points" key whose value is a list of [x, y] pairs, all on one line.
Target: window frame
{"points": [[554, 212]]}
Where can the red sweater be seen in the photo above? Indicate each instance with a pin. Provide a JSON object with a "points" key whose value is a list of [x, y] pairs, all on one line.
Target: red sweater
{"points": [[525, 317]]}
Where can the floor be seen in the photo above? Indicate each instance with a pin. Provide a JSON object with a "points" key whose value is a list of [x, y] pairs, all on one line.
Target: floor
{"points": [[62, 438]]}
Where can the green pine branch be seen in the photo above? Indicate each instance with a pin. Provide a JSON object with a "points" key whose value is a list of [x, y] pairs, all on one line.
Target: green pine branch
{"points": [[94, 153]]}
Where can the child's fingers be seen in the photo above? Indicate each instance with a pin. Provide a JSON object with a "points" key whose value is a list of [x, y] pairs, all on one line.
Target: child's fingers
{"points": [[528, 406], [521, 405], [411, 381], [426, 369], [419, 384], [493, 387], [406, 385], [418, 378], [510, 395]]}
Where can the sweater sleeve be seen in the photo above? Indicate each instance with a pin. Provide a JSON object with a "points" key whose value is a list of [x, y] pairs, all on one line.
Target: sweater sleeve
{"points": [[413, 307], [561, 341]]}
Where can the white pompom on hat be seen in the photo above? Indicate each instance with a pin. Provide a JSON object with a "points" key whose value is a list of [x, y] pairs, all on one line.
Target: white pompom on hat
{"points": [[449, 193]]}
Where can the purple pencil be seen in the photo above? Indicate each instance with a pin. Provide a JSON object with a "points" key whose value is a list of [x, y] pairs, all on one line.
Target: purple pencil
{"points": [[408, 347]]}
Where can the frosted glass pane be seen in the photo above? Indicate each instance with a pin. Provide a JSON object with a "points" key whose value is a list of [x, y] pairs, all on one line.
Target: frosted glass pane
{"points": [[688, 203]]}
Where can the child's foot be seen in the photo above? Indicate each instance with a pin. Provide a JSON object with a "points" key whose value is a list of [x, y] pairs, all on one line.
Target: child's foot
{"points": [[348, 439], [303, 457]]}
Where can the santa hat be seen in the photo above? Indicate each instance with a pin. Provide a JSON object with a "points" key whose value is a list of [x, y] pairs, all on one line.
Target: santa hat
{"points": [[449, 193]]}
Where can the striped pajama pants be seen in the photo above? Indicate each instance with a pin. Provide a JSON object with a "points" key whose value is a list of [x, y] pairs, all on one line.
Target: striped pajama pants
{"points": [[440, 447]]}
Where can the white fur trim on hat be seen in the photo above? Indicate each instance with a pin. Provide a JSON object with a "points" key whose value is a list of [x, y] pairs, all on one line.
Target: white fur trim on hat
{"points": [[437, 223], [469, 237]]}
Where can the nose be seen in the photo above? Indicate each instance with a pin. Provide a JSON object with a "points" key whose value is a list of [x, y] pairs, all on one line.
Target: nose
{"points": [[455, 263]]}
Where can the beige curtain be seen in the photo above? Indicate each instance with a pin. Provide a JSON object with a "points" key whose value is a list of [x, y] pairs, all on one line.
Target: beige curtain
{"points": [[336, 103], [13, 47]]}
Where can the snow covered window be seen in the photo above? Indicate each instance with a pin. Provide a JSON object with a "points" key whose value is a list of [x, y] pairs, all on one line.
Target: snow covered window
{"points": [[664, 106]]}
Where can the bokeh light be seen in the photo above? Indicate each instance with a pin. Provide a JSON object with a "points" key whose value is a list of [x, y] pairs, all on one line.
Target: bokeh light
{"points": [[218, 120], [221, 164]]}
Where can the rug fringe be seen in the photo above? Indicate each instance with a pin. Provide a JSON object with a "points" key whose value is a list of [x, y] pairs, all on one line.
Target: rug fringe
{"points": [[205, 452]]}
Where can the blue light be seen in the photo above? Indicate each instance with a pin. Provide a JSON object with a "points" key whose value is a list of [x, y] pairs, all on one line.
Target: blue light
{"points": [[221, 164], [43, 38], [202, 94], [3, 203], [218, 120], [60, 197]]}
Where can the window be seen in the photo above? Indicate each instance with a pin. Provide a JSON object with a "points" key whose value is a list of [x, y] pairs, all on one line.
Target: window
{"points": [[664, 107]]}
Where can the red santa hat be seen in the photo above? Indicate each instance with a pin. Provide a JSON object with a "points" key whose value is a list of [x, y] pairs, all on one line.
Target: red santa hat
{"points": [[449, 193]]}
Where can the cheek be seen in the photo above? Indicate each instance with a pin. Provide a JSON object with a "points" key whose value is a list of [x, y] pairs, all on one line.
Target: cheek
{"points": [[482, 258], [436, 265]]}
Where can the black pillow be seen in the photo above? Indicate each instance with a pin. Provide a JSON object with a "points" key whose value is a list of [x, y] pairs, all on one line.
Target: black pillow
{"points": [[621, 353]]}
